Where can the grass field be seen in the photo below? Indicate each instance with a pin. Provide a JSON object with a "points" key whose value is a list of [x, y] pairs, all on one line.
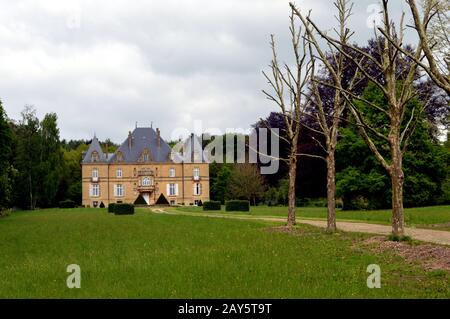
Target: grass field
{"points": [[159, 256], [413, 216]]}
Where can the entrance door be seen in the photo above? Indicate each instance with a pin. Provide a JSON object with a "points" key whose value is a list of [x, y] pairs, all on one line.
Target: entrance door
{"points": [[146, 197]]}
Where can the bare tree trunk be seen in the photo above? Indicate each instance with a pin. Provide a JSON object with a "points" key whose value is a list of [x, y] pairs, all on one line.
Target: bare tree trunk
{"points": [[291, 195], [331, 191], [397, 180]]}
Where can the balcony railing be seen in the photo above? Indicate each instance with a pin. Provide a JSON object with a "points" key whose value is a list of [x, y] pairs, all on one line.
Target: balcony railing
{"points": [[196, 178], [94, 179], [146, 187], [145, 172]]}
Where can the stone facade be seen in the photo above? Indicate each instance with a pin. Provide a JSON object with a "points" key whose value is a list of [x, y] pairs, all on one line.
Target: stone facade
{"points": [[144, 166]]}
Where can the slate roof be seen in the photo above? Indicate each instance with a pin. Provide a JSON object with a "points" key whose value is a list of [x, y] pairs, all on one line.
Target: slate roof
{"points": [[146, 138], [94, 146], [191, 151], [143, 138]]}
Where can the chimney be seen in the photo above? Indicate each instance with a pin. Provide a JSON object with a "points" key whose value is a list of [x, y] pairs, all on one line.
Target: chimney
{"points": [[106, 153], [129, 140], [192, 148], [158, 137]]}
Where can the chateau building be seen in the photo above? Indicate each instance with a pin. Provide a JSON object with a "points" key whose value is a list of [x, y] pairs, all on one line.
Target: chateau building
{"points": [[145, 167]]}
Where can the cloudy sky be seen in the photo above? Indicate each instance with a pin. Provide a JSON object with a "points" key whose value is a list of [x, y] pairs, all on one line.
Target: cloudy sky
{"points": [[104, 65]]}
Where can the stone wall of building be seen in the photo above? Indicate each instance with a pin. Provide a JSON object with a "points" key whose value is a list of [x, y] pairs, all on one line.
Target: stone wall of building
{"points": [[124, 182]]}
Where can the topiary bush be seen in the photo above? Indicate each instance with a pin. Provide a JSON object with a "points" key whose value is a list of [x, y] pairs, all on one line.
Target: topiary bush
{"points": [[140, 200], [162, 200], [211, 205], [237, 205], [123, 209], [102, 205], [200, 203], [67, 204], [111, 207]]}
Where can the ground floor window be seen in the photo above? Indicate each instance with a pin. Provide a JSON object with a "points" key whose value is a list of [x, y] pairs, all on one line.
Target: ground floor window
{"points": [[95, 203], [172, 202], [197, 189], [118, 191], [95, 190], [172, 189], [196, 202]]}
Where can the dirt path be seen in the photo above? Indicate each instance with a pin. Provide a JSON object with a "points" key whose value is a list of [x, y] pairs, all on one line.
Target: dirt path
{"points": [[427, 235]]}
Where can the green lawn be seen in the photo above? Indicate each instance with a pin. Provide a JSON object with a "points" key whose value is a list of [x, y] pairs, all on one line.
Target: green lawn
{"points": [[413, 216], [162, 256]]}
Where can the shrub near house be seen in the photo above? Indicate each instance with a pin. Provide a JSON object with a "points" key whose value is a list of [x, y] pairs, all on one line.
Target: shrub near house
{"points": [[211, 205], [123, 209], [237, 205]]}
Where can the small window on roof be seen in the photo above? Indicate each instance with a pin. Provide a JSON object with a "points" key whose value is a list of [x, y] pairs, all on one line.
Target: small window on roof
{"points": [[95, 157], [119, 156], [145, 156]]}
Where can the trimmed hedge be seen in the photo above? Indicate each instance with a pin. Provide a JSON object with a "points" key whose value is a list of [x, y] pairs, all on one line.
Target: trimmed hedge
{"points": [[111, 207], [237, 205], [67, 204], [123, 209], [211, 205]]}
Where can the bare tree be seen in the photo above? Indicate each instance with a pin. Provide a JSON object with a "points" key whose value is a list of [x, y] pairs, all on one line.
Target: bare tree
{"points": [[329, 119], [433, 29], [438, 33], [398, 89], [289, 85]]}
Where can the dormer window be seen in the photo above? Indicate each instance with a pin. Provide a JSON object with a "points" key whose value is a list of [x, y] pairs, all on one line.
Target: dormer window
{"points": [[196, 172], [145, 156], [119, 156], [95, 157]]}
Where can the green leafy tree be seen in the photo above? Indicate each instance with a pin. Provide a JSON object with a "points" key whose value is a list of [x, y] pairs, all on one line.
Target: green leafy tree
{"points": [[246, 183], [71, 180], [220, 175], [51, 161], [5, 159], [362, 182], [28, 154]]}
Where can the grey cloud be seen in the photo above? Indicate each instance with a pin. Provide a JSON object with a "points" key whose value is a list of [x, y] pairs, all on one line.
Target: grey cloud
{"points": [[103, 65]]}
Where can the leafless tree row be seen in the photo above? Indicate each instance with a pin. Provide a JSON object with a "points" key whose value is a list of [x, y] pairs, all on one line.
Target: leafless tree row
{"points": [[295, 88]]}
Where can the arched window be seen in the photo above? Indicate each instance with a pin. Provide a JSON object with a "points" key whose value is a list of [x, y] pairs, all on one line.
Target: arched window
{"points": [[147, 181]]}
